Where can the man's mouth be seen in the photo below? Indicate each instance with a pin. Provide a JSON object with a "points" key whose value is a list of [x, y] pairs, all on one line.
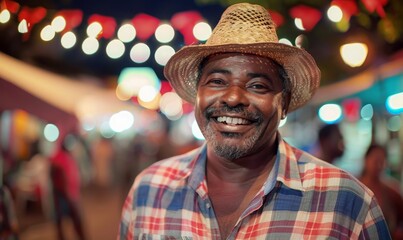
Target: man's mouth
{"points": [[233, 120]]}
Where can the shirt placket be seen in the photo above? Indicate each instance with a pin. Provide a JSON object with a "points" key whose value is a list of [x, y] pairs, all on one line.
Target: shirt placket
{"points": [[255, 204], [206, 208]]}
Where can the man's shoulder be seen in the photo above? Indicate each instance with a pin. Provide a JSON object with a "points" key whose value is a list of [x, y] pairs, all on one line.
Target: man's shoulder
{"points": [[318, 174]]}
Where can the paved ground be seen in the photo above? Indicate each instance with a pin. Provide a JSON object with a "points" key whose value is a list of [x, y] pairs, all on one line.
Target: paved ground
{"points": [[101, 215]]}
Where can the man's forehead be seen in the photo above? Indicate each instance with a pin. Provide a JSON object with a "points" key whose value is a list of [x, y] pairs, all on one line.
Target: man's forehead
{"points": [[243, 57]]}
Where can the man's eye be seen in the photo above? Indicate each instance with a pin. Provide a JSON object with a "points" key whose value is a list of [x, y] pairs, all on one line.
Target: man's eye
{"points": [[258, 86], [215, 81]]}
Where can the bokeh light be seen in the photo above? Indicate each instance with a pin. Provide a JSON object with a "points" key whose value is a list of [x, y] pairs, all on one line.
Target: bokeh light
{"points": [[171, 105], [394, 123], [298, 24], [202, 31], [285, 41], [163, 54], [394, 103], [94, 29], [132, 79], [164, 33], [334, 13], [47, 33], [115, 49], [147, 93], [121, 121], [5, 16], [23, 26], [51, 132], [367, 112], [90, 45], [330, 113], [106, 130], [126, 33], [354, 54], [140, 53], [153, 98], [58, 24], [68, 40]]}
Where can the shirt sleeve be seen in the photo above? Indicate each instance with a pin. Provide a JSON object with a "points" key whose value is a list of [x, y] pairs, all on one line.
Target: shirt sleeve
{"points": [[125, 230], [375, 226]]}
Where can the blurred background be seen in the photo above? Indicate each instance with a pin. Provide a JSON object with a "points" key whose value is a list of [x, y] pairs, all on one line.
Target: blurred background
{"points": [[83, 98]]}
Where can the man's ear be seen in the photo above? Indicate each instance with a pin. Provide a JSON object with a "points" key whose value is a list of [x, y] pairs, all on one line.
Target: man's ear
{"points": [[286, 104]]}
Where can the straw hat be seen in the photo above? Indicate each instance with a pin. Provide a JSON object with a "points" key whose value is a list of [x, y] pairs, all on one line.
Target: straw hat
{"points": [[245, 28]]}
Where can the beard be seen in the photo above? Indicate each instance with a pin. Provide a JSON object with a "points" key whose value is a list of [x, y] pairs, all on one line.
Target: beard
{"points": [[246, 144]]}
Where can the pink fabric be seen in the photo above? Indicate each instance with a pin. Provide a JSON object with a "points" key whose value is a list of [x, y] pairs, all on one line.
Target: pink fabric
{"points": [[67, 174]]}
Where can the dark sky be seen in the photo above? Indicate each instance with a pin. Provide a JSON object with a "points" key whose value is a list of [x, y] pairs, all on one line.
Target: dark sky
{"points": [[164, 9]]}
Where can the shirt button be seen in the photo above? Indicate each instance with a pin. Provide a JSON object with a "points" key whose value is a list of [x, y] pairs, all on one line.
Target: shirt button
{"points": [[208, 205]]}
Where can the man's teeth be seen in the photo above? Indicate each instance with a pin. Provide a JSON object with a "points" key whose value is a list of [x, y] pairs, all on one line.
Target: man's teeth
{"points": [[231, 120]]}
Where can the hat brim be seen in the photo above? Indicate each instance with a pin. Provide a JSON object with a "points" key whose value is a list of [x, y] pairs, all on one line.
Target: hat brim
{"points": [[182, 70]]}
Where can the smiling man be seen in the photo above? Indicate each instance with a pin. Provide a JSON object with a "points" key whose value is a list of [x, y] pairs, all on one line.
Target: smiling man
{"points": [[246, 182]]}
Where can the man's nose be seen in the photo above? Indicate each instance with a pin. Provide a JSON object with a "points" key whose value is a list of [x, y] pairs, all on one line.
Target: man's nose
{"points": [[235, 95]]}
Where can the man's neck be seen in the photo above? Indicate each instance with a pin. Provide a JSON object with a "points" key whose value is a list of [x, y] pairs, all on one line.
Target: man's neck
{"points": [[241, 170]]}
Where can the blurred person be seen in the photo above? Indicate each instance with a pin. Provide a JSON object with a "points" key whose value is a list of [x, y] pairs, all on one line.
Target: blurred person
{"points": [[102, 154], [9, 224], [385, 189], [65, 175], [33, 180], [9, 227], [330, 143], [246, 181]]}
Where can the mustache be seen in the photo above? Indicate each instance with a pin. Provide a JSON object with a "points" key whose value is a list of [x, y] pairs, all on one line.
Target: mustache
{"points": [[255, 116]]}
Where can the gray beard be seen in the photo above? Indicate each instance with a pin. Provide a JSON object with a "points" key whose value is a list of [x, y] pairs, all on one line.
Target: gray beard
{"points": [[231, 152]]}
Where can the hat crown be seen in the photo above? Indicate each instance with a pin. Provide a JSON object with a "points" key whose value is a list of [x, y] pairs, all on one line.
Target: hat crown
{"points": [[244, 24]]}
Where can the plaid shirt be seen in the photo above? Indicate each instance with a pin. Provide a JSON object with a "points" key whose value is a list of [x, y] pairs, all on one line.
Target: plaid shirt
{"points": [[303, 198]]}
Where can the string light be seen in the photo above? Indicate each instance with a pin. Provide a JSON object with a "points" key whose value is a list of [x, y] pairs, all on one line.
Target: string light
{"points": [[163, 54], [47, 33], [5, 16], [115, 49], [140, 53], [202, 31], [126, 33], [68, 40], [335, 14], [354, 54], [58, 24], [164, 33]]}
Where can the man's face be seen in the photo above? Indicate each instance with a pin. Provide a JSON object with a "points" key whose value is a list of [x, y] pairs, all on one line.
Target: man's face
{"points": [[239, 104]]}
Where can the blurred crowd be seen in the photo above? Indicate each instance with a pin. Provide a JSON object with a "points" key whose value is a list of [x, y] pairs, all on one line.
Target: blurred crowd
{"points": [[48, 179]]}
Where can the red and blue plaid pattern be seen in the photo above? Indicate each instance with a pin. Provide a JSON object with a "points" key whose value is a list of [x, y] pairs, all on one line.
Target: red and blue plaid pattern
{"points": [[303, 198]]}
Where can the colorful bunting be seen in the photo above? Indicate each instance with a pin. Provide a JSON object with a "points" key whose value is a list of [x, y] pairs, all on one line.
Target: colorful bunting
{"points": [[11, 6], [348, 7], [108, 25], [32, 16], [309, 16], [145, 25], [375, 5], [184, 23], [73, 18], [278, 19]]}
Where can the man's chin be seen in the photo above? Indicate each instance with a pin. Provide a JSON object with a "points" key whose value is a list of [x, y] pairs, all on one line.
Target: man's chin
{"points": [[229, 152]]}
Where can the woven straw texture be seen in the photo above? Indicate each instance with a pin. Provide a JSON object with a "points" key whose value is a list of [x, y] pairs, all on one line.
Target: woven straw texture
{"points": [[249, 29]]}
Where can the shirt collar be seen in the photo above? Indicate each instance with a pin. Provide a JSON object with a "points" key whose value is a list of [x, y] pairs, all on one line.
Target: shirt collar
{"points": [[285, 170], [288, 170]]}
